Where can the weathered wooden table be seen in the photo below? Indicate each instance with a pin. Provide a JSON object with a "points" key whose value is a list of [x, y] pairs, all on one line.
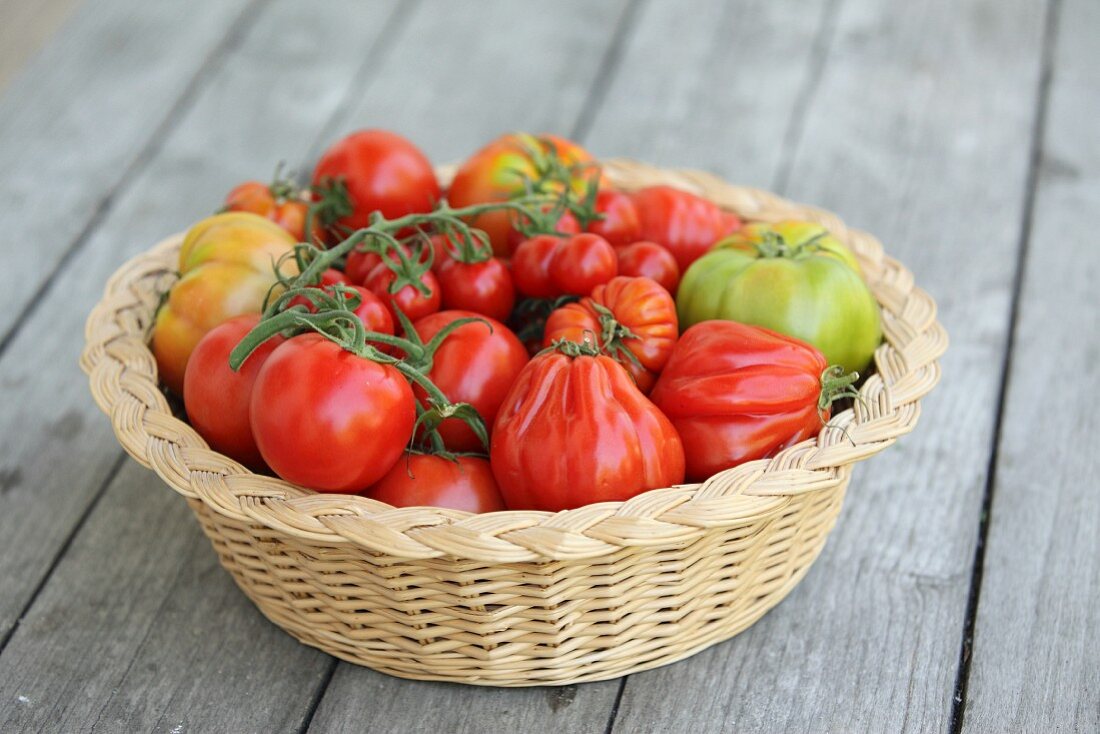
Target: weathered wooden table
{"points": [[960, 588]]}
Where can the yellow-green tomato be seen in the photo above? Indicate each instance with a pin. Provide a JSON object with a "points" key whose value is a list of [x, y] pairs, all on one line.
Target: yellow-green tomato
{"points": [[226, 270], [790, 277]]}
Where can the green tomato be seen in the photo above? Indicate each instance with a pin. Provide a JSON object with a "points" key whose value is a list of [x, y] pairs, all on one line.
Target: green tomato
{"points": [[793, 278]]}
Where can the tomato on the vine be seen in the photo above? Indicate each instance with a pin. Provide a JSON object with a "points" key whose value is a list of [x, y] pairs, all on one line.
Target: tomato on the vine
{"points": [[372, 312], [632, 320], [381, 171], [328, 419], [332, 276], [686, 224], [650, 260], [462, 483], [574, 430], [485, 287], [281, 201], [581, 263], [217, 398], [417, 295], [504, 168], [620, 225], [476, 364], [566, 224]]}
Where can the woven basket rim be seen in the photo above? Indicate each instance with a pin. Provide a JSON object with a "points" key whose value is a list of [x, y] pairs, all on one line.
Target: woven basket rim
{"points": [[123, 379]]}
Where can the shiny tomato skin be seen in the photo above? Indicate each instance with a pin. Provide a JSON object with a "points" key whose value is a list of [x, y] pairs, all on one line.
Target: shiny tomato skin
{"points": [[466, 484], [575, 430], [581, 263], [414, 304], [217, 398], [332, 276], [383, 172], [620, 225], [650, 260], [288, 213], [485, 287], [642, 306], [475, 364], [531, 267], [567, 224], [737, 393], [685, 224], [327, 419], [495, 173]]}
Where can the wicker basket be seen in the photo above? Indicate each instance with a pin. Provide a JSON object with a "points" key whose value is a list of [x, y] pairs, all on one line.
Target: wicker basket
{"points": [[522, 598]]}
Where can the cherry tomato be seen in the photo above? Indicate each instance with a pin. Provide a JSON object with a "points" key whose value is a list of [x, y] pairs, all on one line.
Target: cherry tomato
{"points": [[327, 419], [466, 484], [650, 260], [475, 364], [371, 311], [619, 225], [632, 319], [581, 263], [383, 172], [412, 302], [217, 398], [684, 223], [531, 266], [359, 264], [737, 393], [566, 224], [332, 276], [575, 430], [281, 202], [485, 287]]}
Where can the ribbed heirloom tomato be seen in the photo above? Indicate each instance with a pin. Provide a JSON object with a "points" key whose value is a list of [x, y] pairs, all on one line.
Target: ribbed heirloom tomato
{"points": [[685, 224], [737, 393], [476, 364], [327, 419], [463, 483], [574, 430], [217, 398], [631, 319]]}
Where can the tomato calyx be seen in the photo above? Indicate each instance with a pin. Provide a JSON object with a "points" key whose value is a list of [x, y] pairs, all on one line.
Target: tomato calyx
{"points": [[585, 348], [613, 335], [466, 245], [330, 202], [836, 385], [553, 177], [529, 317], [775, 245]]}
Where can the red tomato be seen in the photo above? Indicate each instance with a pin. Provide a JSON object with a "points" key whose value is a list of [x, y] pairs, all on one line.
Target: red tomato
{"points": [[485, 287], [575, 430], [643, 325], [281, 202], [414, 304], [566, 224], [619, 225], [497, 171], [475, 364], [383, 172], [371, 311], [531, 267], [737, 393], [217, 398], [581, 263], [466, 484], [359, 264], [327, 419], [684, 223], [650, 260], [332, 276]]}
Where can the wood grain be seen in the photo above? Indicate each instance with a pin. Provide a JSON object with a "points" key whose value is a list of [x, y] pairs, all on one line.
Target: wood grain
{"points": [[58, 454], [917, 131], [24, 30], [1036, 658]]}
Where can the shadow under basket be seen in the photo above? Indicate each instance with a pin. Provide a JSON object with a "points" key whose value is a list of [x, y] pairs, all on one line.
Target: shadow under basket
{"points": [[523, 598]]}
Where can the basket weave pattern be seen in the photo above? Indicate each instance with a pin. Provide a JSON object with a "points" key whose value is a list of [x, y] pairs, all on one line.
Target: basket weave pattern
{"points": [[523, 598]]}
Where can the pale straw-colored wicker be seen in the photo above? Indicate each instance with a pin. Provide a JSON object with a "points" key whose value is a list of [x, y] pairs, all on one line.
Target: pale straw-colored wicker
{"points": [[522, 598]]}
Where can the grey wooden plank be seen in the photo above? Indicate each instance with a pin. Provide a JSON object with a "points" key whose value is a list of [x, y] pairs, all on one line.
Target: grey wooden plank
{"points": [[74, 123], [1036, 655], [50, 462], [918, 131], [141, 630], [57, 450], [25, 29], [536, 76]]}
